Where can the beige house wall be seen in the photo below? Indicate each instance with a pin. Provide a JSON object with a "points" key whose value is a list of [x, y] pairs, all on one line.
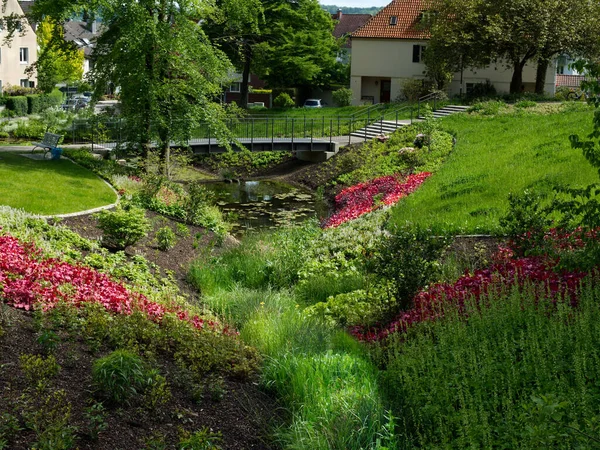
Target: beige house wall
{"points": [[12, 69], [374, 60]]}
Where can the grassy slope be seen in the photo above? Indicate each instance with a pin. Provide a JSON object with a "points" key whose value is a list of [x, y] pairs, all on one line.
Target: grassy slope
{"points": [[493, 157], [50, 187]]}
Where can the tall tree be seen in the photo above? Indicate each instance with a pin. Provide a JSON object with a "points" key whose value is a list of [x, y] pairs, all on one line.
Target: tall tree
{"points": [[58, 61], [168, 73], [298, 45], [513, 32]]}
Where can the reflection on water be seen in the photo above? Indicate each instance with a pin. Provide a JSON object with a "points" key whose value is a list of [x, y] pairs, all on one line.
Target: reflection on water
{"points": [[265, 204]]}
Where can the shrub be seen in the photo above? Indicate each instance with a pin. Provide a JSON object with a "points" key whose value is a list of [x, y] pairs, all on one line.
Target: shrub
{"points": [[342, 97], [36, 103], [482, 91], [412, 89], [409, 260], [165, 238], [488, 108], [38, 369], [203, 439], [119, 375], [123, 227], [526, 104], [17, 104], [284, 100]]}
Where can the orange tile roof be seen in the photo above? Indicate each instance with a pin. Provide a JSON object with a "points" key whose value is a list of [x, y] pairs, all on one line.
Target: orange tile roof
{"points": [[407, 13]]}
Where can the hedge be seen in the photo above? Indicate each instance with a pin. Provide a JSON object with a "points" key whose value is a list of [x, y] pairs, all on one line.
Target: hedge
{"points": [[37, 103], [17, 104]]}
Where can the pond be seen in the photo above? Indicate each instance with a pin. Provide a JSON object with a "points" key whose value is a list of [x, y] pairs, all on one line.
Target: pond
{"points": [[252, 205]]}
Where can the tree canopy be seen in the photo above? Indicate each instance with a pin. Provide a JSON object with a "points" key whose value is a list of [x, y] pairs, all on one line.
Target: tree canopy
{"points": [[58, 61], [169, 75], [473, 33]]}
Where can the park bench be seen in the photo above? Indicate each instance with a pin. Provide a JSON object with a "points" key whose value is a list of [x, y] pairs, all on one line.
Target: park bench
{"points": [[49, 143]]}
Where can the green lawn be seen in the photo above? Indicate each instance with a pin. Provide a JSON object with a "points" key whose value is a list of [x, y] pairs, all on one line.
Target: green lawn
{"points": [[493, 157], [50, 187]]}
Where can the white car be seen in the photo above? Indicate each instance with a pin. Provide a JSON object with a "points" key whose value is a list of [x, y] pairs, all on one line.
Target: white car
{"points": [[313, 103]]}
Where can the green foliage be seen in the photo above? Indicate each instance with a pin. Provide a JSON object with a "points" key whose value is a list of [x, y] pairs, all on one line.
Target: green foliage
{"points": [[182, 230], [123, 226], [526, 104], [48, 416], [18, 104], [408, 260], [165, 238], [482, 91], [517, 374], [37, 103], [342, 97], [38, 370], [412, 89], [334, 392], [119, 376], [203, 439], [95, 415], [487, 108], [526, 220], [158, 391], [9, 428], [283, 100]]}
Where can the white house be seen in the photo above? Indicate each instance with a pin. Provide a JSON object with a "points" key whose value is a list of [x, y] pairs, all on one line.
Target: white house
{"points": [[21, 52], [389, 49]]}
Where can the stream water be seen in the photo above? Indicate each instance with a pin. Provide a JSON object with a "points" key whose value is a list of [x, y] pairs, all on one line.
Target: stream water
{"points": [[252, 205]]}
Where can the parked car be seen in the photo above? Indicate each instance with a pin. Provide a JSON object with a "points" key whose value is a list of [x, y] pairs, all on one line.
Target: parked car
{"points": [[76, 103], [313, 103]]}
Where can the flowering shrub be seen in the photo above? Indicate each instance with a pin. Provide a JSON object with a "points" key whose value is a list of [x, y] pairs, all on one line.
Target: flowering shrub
{"points": [[362, 198], [505, 272], [28, 279]]}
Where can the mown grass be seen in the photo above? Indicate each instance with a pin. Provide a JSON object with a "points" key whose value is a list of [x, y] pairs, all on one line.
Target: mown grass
{"points": [[493, 157], [50, 187], [521, 372]]}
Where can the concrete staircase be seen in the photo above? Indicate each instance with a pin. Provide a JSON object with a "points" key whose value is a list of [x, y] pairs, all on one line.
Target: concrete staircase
{"points": [[447, 111], [378, 128], [386, 127]]}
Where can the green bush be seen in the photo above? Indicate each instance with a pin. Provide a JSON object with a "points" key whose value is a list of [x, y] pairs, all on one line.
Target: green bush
{"points": [[165, 238], [512, 371], [342, 97], [488, 108], [409, 260], [122, 227], [36, 103], [203, 439], [283, 100], [119, 375], [17, 104], [482, 91], [412, 89]]}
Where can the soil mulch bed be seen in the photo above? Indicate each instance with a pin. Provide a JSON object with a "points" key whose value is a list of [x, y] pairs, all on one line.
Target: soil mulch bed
{"points": [[241, 416]]}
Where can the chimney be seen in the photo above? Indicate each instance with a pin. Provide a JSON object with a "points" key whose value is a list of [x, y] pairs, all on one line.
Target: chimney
{"points": [[94, 27], [339, 14]]}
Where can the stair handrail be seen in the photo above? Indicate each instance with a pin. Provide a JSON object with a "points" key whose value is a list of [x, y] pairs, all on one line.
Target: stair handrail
{"points": [[369, 111], [394, 112], [432, 95]]}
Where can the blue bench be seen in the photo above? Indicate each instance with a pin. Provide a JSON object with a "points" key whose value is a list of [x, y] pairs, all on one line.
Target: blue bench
{"points": [[49, 143]]}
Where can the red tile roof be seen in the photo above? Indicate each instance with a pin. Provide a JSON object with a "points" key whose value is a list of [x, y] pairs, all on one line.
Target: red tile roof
{"points": [[407, 13], [569, 80], [349, 23]]}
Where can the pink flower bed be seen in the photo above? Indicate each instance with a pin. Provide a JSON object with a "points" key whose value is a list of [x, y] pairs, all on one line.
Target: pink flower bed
{"points": [[504, 273], [28, 279], [357, 200]]}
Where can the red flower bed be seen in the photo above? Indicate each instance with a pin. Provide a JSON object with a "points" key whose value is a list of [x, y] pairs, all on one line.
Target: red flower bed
{"points": [[505, 272], [357, 200], [27, 279]]}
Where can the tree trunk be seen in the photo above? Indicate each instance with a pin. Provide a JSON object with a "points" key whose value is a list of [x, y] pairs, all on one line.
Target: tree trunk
{"points": [[245, 75], [516, 84], [540, 76]]}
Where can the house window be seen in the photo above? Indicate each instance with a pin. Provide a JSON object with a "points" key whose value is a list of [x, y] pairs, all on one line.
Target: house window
{"points": [[24, 55], [393, 20], [235, 87], [418, 53], [560, 70], [24, 82], [0, 86]]}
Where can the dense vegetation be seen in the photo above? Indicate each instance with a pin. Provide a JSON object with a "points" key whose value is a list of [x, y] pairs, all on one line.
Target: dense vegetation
{"points": [[374, 332]]}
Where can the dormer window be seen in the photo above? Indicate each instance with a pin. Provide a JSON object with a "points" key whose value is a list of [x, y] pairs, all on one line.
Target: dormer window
{"points": [[393, 20]]}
